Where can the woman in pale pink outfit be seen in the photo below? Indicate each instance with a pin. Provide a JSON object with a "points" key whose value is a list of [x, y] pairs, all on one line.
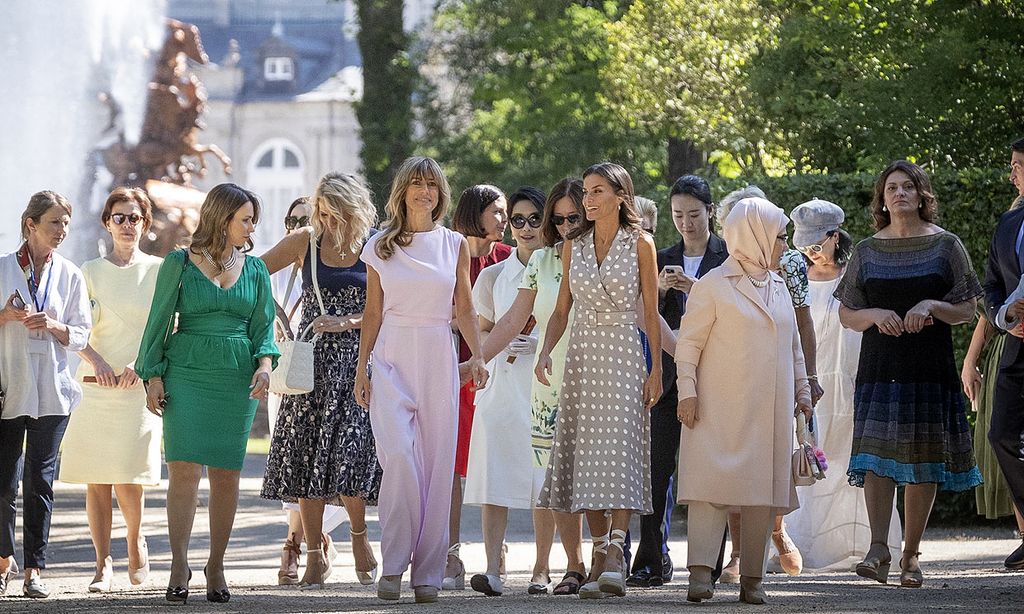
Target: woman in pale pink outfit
{"points": [[415, 268]]}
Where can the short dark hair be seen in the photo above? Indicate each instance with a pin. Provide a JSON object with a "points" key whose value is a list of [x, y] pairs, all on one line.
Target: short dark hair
{"points": [[530, 193], [472, 203], [1018, 145], [844, 248], [695, 186], [135, 196], [929, 211], [570, 188]]}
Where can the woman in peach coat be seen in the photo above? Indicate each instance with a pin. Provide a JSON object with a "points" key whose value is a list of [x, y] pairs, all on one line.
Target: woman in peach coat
{"points": [[740, 375]]}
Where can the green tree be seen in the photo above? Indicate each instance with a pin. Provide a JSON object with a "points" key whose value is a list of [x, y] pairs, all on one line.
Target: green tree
{"points": [[678, 70], [523, 99], [385, 112], [853, 84]]}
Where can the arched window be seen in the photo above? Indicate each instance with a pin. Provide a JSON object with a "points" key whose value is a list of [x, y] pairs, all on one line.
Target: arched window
{"points": [[277, 174]]}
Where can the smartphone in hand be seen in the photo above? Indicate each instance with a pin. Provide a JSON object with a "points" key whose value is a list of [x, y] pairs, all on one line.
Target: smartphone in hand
{"points": [[18, 300]]}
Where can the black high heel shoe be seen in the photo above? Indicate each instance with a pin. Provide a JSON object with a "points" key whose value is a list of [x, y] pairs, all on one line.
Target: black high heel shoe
{"points": [[221, 596], [179, 594]]}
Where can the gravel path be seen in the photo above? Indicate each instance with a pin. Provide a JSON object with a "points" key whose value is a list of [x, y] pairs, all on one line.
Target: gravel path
{"points": [[963, 570]]}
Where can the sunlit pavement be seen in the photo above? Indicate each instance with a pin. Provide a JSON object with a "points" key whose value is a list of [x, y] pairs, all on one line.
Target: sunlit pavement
{"points": [[963, 571]]}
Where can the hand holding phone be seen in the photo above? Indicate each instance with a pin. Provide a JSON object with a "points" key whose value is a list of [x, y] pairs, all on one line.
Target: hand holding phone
{"points": [[15, 310], [17, 300]]}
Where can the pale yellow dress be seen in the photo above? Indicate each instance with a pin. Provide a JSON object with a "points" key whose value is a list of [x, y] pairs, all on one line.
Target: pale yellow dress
{"points": [[111, 438]]}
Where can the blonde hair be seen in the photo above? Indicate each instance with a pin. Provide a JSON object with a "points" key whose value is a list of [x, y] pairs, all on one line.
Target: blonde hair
{"points": [[38, 204], [214, 216], [346, 199], [393, 231]]}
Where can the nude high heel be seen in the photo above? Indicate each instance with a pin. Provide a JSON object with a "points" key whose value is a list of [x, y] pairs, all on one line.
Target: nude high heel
{"points": [[366, 578]]}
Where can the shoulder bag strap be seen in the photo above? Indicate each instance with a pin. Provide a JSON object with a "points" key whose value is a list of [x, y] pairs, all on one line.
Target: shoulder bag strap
{"points": [[313, 266], [288, 291], [181, 279]]}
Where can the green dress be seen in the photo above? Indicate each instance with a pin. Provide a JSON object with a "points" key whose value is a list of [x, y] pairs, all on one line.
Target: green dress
{"points": [[993, 497], [208, 362]]}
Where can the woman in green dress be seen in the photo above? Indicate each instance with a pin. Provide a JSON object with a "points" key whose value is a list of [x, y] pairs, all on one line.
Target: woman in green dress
{"points": [[992, 498], [207, 377]]}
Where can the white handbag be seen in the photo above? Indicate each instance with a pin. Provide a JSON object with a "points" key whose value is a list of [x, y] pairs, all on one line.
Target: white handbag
{"points": [[294, 372]]}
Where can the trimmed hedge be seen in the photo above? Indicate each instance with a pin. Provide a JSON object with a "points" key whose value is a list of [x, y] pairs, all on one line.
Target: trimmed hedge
{"points": [[970, 203]]}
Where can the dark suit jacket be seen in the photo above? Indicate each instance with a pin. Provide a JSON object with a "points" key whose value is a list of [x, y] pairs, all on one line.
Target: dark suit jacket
{"points": [[673, 304], [1003, 274]]}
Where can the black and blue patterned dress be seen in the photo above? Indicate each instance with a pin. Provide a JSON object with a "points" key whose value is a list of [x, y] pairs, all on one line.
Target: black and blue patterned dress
{"points": [[909, 412], [323, 447]]}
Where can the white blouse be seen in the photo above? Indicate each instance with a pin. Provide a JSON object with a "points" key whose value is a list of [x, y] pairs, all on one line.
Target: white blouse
{"points": [[35, 372]]}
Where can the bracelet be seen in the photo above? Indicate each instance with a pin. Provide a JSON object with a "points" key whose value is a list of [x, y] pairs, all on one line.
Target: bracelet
{"points": [[812, 378]]}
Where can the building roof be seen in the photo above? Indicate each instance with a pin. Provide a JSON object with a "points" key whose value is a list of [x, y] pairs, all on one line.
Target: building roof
{"points": [[326, 55]]}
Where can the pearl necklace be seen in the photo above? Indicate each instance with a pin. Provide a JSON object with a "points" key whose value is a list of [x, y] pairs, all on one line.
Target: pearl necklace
{"points": [[228, 265], [760, 283]]}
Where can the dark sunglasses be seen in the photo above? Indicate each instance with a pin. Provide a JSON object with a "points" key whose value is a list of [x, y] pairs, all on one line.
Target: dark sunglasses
{"points": [[121, 218], [519, 221], [572, 218], [292, 222]]}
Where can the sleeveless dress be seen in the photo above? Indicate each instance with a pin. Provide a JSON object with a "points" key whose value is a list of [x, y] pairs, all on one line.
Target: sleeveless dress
{"points": [[601, 455], [909, 419], [112, 438], [208, 363], [323, 446]]}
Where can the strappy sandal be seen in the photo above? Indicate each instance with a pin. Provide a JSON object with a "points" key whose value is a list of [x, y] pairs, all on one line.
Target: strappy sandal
{"points": [[613, 581], [570, 584], [591, 590], [876, 567], [911, 579]]}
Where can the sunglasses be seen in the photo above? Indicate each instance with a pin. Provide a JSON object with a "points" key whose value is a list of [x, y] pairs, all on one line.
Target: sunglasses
{"points": [[520, 221], [817, 248], [572, 218], [121, 218], [292, 222]]}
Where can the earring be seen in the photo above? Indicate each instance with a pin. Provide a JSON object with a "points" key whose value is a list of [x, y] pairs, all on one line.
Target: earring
{"points": [[884, 209]]}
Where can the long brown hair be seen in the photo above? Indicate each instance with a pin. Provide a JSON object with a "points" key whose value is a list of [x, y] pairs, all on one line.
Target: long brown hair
{"points": [[929, 209], [570, 188], [619, 179], [393, 231], [214, 216]]}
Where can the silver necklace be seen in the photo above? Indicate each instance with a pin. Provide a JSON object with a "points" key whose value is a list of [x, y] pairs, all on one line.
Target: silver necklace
{"points": [[760, 283], [228, 265]]}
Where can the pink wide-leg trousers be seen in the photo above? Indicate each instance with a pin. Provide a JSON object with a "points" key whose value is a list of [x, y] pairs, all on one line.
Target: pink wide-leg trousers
{"points": [[414, 415]]}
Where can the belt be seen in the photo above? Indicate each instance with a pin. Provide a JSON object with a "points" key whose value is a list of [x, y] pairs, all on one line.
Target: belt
{"points": [[395, 319], [605, 318]]}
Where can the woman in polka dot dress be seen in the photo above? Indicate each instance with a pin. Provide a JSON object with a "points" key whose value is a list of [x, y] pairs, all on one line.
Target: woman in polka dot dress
{"points": [[600, 459]]}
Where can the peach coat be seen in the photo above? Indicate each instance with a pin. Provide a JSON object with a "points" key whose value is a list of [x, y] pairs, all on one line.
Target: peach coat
{"points": [[743, 362]]}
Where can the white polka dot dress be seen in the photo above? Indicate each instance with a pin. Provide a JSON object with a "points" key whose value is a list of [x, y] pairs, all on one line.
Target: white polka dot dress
{"points": [[601, 455]]}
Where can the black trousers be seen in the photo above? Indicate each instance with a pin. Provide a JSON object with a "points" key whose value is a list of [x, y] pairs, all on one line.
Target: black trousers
{"points": [[28, 454], [1006, 428], [654, 527]]}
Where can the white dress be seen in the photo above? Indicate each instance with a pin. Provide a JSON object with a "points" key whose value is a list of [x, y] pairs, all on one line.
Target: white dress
{"points": [[112, 438], [501, 470], [831, 526]]}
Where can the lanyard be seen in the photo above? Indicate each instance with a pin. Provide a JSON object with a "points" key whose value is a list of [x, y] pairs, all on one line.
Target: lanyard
{"points": [[34, 285]]}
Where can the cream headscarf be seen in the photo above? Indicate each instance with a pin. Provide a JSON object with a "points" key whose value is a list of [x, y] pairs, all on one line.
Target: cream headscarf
{"points": [[750, 231]]}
